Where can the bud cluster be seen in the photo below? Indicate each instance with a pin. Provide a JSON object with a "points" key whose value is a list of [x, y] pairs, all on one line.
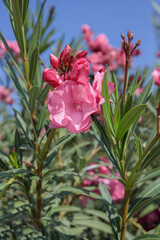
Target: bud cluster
{"points": [[126, 45]]}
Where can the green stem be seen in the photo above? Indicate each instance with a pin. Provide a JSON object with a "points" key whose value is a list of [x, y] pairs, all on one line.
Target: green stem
{"points": [[47, 144], [137, 166], [125, 79], [125, 213]]}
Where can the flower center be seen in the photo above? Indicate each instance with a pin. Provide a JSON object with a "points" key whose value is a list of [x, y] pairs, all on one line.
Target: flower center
{"points": [[76, 106]]}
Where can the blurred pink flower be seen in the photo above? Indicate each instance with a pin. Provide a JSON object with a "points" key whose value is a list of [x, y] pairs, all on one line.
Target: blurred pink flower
{"points": [[150, 220], [13, 45], [156, 75], [71, 105], [5, 95], [115, 188]]}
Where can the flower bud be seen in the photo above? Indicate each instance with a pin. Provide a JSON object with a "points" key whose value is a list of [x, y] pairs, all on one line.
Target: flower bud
{"points": [[81, 54], [54, 61]]}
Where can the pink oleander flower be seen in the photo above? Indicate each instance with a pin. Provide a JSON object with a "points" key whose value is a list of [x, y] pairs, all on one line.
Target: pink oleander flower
{"points": [[97, 86], [5, 95], [80, 70], [87, 31], [151, 220], [139, 90], [70, 106], [156, 75], [13, 45], [115, 188]]}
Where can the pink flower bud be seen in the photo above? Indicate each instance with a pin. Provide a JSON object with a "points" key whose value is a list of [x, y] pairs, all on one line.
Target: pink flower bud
{"points": [[81, 54], [54, 61], [156, 75], [51, 76]]}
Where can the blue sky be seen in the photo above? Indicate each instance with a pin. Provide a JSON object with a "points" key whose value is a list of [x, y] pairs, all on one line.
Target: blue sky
{"points": [[104, 16]]}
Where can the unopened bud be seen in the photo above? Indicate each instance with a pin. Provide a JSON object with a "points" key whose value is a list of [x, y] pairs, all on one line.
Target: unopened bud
{"points": [[81, 54], [129, 34], [55, 62], [132, 36], [138, 42], [122, 36]]}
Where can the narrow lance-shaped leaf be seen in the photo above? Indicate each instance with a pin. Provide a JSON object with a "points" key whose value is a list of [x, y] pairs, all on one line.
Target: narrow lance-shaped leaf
{"points": [[147, 237], [17, 84], [35, 39], [128, 119], [154, 153], [5, 186], [18, 25], [32, 97], [152, 174], [41, 117], [111, 210], [149, 194], [24, 128], [106, 105], [33, 63]]}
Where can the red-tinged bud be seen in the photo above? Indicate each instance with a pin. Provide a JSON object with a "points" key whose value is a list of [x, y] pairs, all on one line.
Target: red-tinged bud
{"points": [[55, 62], [66, 56], [81, 54]]}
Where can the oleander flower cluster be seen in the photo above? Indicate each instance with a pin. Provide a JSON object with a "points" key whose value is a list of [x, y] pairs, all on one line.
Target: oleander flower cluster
{"points": [[5, 95], [103, 53], [115, 188], [74, 99]]}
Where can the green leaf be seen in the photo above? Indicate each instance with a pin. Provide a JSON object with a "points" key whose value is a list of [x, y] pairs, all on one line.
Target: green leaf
{"points": [[147, 236], [115, 82], [128, 105], [12, 172], [18, 85], [139, 145], [154, 153], [33, 63], [133, 84], [111, 210], [24, 128], [128, 119], [17, 23], [41, 117], [32, 97], [5, 186], [103, 140], [43, 94], [35, 39], [117, 114], [152, 174], [23, 9], [95, 224], [62, 141], [148, 195], [143, 97], [18, 151], [106, 105], [156, 6]]}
